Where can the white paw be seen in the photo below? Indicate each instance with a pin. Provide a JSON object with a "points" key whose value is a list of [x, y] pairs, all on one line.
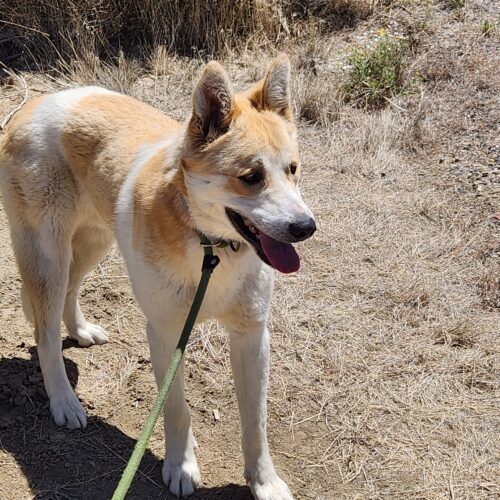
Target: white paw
{"points": [[68, 411], [90, 334], [273, 489], [181, 478]]}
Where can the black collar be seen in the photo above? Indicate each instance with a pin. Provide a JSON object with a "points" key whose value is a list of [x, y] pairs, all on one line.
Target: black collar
{"points": [[205, 241]]}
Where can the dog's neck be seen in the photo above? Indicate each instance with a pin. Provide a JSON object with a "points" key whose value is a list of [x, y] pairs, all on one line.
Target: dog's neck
{"points": [[186, 208], [216, 242]]}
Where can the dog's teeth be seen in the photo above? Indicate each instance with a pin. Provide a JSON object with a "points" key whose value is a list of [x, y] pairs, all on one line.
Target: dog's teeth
{"points": [[253, 229]]}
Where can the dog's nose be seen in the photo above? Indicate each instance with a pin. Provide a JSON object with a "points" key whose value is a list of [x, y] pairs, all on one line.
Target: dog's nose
{"points": [[302, 229]]}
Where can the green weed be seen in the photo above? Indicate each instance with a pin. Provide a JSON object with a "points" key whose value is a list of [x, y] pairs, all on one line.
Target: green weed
{"points": [[376, 71], [488, 27]]}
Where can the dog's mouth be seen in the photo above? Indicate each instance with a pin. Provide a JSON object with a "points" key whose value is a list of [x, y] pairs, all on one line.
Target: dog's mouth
{"points": [[281, 256]]}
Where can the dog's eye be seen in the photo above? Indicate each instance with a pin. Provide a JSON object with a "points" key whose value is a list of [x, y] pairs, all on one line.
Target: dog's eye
{"points": [[293, 168], [252, 178]]}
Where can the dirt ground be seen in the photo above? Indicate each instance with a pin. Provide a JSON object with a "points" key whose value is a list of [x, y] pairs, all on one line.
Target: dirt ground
{"points": [[385, 346]]}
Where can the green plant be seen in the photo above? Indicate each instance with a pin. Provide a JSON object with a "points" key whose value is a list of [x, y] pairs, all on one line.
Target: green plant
{"points": [[375, 72], [423, 23], [488, 27], [458, 6]]}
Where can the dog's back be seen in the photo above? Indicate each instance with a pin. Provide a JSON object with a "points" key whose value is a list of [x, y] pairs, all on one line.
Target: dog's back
{"points": [[60, 148]]}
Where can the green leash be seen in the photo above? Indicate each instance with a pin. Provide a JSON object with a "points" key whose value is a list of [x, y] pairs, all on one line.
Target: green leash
{"points": [[210, 261]]}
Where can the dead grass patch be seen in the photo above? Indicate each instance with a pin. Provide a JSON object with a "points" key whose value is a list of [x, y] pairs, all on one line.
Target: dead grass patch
{"points": [[461, 335], [317, 99], [119, 75], [384, 374], [333, 14], [69, 29]]}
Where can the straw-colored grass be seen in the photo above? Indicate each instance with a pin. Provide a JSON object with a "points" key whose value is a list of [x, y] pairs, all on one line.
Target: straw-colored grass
{"points": [[385, 351]]}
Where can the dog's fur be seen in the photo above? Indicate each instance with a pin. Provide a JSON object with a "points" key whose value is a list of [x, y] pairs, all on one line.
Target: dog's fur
{"points": [[84, 165]]}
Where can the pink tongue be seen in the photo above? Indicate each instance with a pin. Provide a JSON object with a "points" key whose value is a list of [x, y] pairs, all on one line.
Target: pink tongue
{"points": [[282, 256]]}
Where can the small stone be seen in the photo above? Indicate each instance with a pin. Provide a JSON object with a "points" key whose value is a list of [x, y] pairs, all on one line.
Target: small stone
{"points": [[58, 436], [19, 400]]}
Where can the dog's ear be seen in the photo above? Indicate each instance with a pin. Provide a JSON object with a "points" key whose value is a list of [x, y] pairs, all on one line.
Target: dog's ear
{"points": [[273, 91], [212, 104]]}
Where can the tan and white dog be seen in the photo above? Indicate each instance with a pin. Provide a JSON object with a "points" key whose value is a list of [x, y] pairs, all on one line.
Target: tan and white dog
{"points": [[85, 165]]}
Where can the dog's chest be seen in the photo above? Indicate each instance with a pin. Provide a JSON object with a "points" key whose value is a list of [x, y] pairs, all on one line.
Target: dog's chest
{"points": [[166, 291], [228, 286]]}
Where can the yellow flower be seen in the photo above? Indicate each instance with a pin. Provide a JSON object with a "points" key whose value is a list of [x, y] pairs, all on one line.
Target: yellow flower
{"points": [[382, 32]]}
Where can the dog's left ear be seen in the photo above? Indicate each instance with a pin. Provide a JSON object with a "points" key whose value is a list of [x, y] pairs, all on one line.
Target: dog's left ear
{"points": [[273, 91], [212, 104]]}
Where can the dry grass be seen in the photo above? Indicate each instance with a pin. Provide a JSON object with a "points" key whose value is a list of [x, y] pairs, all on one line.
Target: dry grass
{"points": [[384, 379], [73, 28], [42, 31]]}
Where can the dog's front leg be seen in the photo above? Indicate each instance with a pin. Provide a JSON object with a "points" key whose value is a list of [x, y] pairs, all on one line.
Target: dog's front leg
{"points": [[250, 362], [180, 469]]}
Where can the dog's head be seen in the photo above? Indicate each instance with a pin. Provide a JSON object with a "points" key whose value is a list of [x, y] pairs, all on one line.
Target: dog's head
{"points": [[241, 165]]}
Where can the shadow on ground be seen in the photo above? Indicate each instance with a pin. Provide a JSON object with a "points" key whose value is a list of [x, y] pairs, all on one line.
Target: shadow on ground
{"points": [[64, 464]]}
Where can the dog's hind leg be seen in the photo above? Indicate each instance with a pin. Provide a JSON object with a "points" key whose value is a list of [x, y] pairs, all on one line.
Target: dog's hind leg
{"points": [[43, 257], [90, 245]]}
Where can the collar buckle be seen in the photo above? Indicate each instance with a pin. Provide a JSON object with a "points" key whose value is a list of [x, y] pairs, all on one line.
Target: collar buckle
{"points": [[205, 242]]}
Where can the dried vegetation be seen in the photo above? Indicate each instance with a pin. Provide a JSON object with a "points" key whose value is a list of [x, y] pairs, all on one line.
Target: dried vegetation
{"points": [[384, 379]]}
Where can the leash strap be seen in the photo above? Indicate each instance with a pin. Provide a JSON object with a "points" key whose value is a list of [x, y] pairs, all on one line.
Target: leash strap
{"points": [[210, 262]]}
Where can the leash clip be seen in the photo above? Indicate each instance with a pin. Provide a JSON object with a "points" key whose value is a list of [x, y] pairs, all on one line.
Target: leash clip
{"points": [[210, 262]]}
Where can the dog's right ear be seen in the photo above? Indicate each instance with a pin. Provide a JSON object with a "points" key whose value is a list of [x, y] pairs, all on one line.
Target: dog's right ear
{"points": [[212, 104]]}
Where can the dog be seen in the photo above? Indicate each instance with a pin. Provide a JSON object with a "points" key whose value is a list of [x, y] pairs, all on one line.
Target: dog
{"points": [[82, 167]]}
